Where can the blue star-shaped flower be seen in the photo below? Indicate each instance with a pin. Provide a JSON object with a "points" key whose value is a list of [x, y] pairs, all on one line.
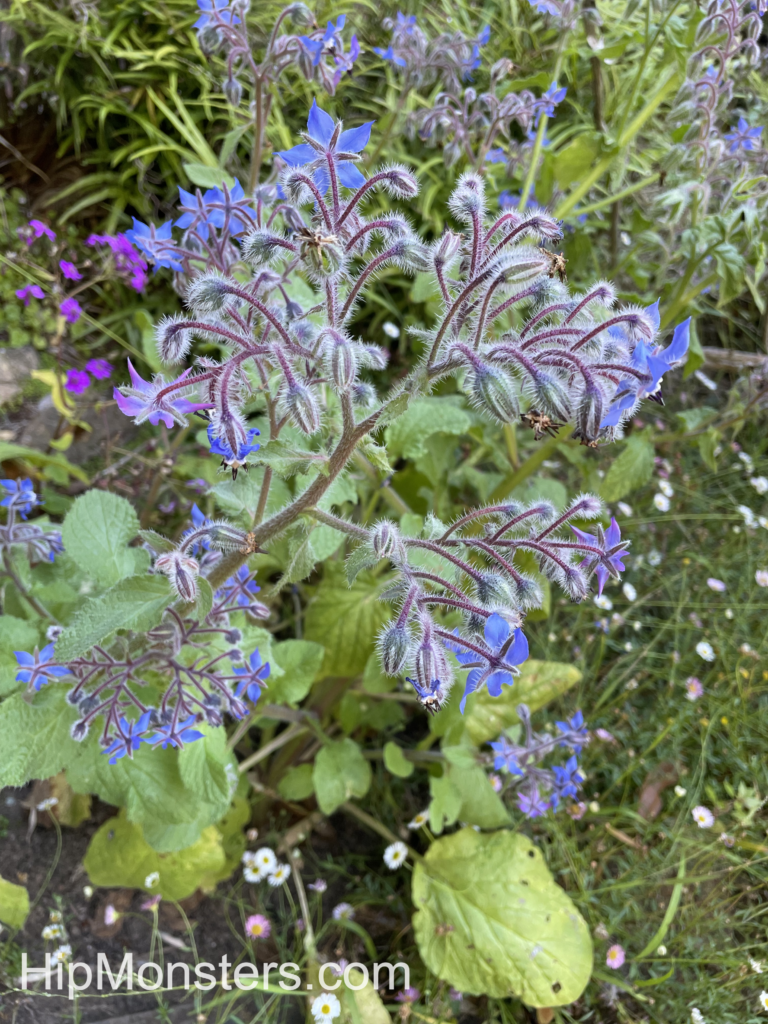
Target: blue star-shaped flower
{"points": [[567, 780], [743, 137], [235, 460], [239, 588], [195, 211], [229, 209], [549, 100], [576, 732], [210, 9], [130, 738], [532, 804], [431, 696], [389, 54], [506, 756], [406, 22], [176, 735], [252, 677], [328, 44], [611, 552], [20, 496], [37, 669], [325, 143], [156, 243], [506, 650]]}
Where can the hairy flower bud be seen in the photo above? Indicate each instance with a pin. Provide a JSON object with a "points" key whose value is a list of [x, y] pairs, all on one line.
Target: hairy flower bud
{"points": [[374, 356], [493, 590], [411, 254], [431, 664], [262, 246], [300, 14], [446, 248], [209, 293], [589, 414], [341, 361], [301, 405], [363, 394], [400, 183], [551, 395], [182, 571], [394, 646], [528, 592], [494, 391], [173, 338], [386, 540], [468, 198], [210, 39], [233, 91]]}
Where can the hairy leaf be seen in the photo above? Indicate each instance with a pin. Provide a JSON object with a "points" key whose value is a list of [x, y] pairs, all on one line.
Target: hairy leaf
{"points": [[632, 469], [95, 533], [340, 772], [300, 661], [422, 418]]}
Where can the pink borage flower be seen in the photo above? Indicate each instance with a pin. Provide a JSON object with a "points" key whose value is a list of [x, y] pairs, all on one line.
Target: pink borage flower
{"points": [[157, 401]]}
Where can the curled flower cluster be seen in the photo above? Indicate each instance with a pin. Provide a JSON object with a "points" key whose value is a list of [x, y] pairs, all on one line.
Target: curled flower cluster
{"points": [[19, 499]]}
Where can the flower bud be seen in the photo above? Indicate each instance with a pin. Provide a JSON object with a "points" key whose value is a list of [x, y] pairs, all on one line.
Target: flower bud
{"points": [[375, 357], [300, 14], [590, 413], [182, 571], [363, 394], [431, 664], [341, 361], [233, 91], [400, 183], [209, 39], [551, 396], [411, 254], [173, 338], [468, 198], [494, 391], [262, 246], [446, 248], [528, 592], [386, 540], [302, 407], [493, 589], [394, 646], [574, 582], [208, 293]]}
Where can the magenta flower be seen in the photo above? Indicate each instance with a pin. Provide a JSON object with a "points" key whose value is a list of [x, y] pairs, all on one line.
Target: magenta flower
{"points": [[41, 229], [30, 291], [70, 271], [99, 368], [70, 310], [144, 401], [257, 927], [77, 381], [615, 957]]}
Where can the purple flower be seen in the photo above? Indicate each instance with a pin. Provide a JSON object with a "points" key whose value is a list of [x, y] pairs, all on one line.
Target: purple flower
{"points": [[238, 588], [176, 734], [229, 209], [389, 54], [156, 243], [99, 368], [549, 101], [143, 400], [568, 778], [30, 291], [70, 271], [41, 229], [608, 560], [77, 381], [506, 756], [743, 137], [576, 733], [20, 496], [128, 262], [507, 648], [532, 804], [408, 995], [235, 460], [37, 669], [130, 738], [253, 676], [324, 145], [496, 156], [70, 310], [213, 10], [511, 200]]}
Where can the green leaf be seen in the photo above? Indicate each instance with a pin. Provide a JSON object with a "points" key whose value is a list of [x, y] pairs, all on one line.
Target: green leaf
{"points": [[34, 735], [206, 768], [119, 855], [134, 603], [574, 160], [445, 805], [14, 904], [374, 678], [204, 600], [480, 803], [361, 558], [36, 458], [362, 1004], [396, 762], [207, 177], [345, 619], [157, 541], [491, 920], [15, 635], [297, 783], [300, 661], [425, 287], [708, 443], [287, 460], [375, 454], [422, 418], [340, 772], [632, 469], [95, 533]]}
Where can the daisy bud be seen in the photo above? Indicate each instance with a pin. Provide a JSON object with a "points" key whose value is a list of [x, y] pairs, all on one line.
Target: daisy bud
{"points": [[302, 407], [386, 540], [173, 338], [394, 646], [494, 391], [233, 91], [182, 571], [493, 589]]}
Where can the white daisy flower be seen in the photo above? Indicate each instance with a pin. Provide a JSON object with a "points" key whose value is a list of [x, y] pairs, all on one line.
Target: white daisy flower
{"points": [[46, 805], [760, 483], [62, 953], [624, 508], [717, 585], [704, 650], [53, 931], [629, 592], [697, 1017], [661, 502], [603, 602], [763, 1000], [748, 515], [761, 577], [756, 966], [418, 820], [666, 488], [654, 559], [343, 912], [326, 1008], [251, 875], [249, 858], [152, 879], [395, 855], [391, 330], [279, 876], [264, 862], [680, 791], [703, 817]]}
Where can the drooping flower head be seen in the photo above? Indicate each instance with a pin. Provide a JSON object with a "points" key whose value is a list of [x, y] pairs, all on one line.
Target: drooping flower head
{"points": [[234, 459], [20, 496], [609, 550]]}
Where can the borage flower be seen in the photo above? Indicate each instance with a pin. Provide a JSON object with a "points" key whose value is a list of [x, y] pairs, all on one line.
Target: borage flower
{"points": [[608, 561], [157, 401], [325, 143], [213, 11], [156, 243], [235, 460], [506, 649], [176, 734], [239, 588], [252, 677], [743, 137], [37, 669], [20, 496], [130, 739]]}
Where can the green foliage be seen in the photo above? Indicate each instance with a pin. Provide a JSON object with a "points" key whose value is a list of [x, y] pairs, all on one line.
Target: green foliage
{"points": [[297, 783], [36, 740], [300, 661], [14, 904], [362, 1004], [630, 470], [15, 635], [396, 762], [95, 533], [490, 919], [340, 772]]}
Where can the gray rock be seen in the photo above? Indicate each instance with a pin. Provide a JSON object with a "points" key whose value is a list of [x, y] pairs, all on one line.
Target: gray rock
{"points": [[16, 364]]}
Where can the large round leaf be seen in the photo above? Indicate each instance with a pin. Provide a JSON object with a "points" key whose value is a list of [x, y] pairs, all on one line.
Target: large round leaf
{"points": [[491, 920]]}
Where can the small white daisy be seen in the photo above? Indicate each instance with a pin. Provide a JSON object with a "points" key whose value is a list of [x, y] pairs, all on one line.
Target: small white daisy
{"points": [[705, 650], [703, 817], [654, 558], [624, 508], [760, 483], [418, 820], [717, 585], [761, 577], [251, 875], [756, 966], [661, 502], [326, 1008], [62, 953], [152, 879], [603, 602], [264, 862], [395, 855], [763, 1000], [343, 912], [46, 805], [697, 1017], [55, 917], [750, 519], [391, 330], [279, 876], [680, 791], [629, 592], [53, 931], [666, 488], [249, 858]]}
